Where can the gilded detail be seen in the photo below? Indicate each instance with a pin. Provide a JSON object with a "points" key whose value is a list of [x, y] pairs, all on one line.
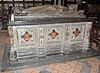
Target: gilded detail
{"points": [[10, 31]]}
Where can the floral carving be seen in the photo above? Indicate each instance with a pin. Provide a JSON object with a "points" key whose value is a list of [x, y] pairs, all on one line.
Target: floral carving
{"points": [[10, 31]]}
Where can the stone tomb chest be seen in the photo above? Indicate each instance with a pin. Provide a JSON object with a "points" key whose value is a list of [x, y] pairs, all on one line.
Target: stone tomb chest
{"points": [[48, 34]]}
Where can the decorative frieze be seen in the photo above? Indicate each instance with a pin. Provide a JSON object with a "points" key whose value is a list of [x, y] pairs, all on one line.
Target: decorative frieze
{"points": [[65, 36]]}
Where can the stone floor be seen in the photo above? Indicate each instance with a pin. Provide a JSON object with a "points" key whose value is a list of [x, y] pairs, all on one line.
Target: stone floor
{"points": [[89, 65]]}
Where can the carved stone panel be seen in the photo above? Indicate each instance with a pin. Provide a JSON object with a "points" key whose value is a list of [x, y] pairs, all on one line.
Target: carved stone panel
{"points": [[67, 34], [77, 33], [54, 34], [41, 36], [26, 37]]}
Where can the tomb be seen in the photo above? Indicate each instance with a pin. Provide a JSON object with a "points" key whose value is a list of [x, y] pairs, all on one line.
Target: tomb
{"points": [[48, 34]]}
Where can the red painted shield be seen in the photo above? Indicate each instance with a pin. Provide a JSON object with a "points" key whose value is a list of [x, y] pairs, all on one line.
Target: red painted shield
{"points": [[27, 37]]}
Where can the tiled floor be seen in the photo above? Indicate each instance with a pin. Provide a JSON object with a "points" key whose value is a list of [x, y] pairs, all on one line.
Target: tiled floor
{"points": [[89, 65]]}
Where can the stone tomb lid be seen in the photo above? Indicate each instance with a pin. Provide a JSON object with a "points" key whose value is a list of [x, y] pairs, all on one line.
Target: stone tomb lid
{"points": [[49, 14], [45, 21], [50, 10]]}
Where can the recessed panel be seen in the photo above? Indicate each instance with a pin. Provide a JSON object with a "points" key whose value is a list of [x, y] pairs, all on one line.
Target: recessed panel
{"points": [[77, 32], [53, 34], [67, 33], [26, 37]]}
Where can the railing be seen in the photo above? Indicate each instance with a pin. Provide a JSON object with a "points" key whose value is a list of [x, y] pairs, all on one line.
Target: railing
{"points": [[95, 34]]}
